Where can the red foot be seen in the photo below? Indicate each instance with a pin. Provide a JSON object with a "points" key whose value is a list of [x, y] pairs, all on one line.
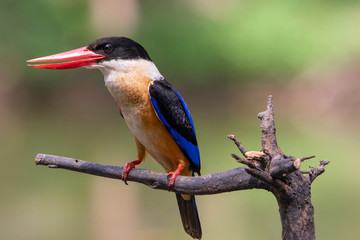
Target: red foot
{"points": [[174, 174], [128, 166]]}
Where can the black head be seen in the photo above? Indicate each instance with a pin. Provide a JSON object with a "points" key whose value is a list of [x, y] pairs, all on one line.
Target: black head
{"points": [[118, 48], [100, 50]]}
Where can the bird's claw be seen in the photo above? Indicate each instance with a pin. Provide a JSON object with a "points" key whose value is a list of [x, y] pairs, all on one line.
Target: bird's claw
{"points": [[127, 167], [125, 173], [173, 175]]}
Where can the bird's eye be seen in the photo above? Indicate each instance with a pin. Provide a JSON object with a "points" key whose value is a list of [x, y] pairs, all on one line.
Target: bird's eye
{"points": [[107, 48]]}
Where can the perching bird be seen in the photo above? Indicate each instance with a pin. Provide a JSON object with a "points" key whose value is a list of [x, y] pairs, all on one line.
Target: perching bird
{"points": [[154, 111]]}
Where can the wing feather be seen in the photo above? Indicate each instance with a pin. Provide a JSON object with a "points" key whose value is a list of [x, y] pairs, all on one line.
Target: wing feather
{"points": [[172, 111]]}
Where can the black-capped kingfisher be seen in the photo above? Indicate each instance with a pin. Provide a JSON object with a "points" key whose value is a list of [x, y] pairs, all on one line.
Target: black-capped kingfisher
{"points": [[154, 111]]}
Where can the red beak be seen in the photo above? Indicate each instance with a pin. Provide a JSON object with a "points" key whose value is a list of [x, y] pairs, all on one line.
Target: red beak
{"points": [[82, 56]]}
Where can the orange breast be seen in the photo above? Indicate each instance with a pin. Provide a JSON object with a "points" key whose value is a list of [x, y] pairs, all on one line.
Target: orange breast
{"points": [[132, 95]]}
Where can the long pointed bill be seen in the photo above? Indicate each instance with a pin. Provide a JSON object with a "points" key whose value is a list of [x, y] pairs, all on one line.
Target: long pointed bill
{"points": [[79, 57]]}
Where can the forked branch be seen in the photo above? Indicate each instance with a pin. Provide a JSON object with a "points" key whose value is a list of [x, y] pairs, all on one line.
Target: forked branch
{"points": [[268, 169]]}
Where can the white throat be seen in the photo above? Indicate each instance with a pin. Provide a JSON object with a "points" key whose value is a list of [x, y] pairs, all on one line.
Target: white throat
{"points": [[113, 68]]}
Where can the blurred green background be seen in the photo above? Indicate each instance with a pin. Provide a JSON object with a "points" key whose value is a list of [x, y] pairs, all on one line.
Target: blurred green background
{"points": [[225, 57]]}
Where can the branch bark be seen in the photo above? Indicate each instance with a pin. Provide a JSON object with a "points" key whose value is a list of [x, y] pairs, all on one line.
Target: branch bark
{"points": [[227, 181], [268, 169]]}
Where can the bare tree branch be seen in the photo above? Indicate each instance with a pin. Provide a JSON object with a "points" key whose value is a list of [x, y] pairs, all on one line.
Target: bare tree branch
{"points": [[248, 163], [315, 172], [307, 158], [268, 130], [281, 165], [227, 181], [238, 144]]}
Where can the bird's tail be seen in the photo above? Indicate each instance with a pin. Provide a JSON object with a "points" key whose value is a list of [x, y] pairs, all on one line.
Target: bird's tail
{"points": [[189, 215]]}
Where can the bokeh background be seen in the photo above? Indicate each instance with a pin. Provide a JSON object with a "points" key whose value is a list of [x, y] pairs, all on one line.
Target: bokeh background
{"points": [[225, 57]]}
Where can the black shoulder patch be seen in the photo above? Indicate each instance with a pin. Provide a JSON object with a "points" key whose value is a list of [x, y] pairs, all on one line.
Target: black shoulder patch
{"points": [[172, 109]]}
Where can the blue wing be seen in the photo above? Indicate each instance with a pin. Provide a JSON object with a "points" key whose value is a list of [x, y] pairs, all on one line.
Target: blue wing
{"points": [[174, 114]]}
